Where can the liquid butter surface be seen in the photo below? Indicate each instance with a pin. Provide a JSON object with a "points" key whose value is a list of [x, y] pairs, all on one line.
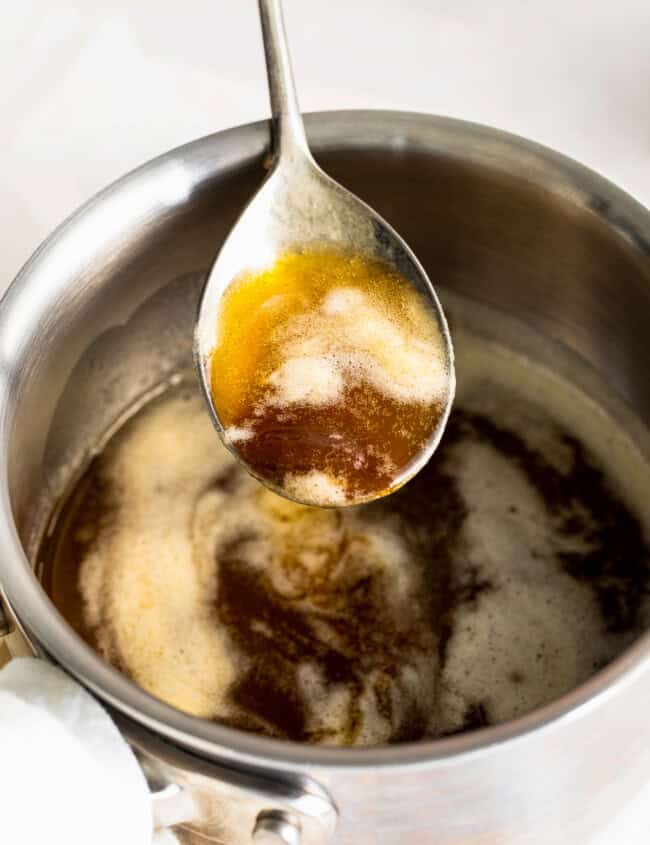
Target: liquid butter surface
{"points": [[328, 376], [506, 573]]}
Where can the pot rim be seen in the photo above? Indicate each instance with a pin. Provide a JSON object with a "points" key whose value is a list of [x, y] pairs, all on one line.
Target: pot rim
{"points": [[51, 635]]}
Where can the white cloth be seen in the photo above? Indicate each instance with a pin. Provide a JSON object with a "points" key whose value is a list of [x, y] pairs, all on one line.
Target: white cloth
{"points": [[66, 773]]}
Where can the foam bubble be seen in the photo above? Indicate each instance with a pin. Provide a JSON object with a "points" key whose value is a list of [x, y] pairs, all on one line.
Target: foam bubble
{"points": [[315, 486], [341, 301], [308, 380], [238, 434]]}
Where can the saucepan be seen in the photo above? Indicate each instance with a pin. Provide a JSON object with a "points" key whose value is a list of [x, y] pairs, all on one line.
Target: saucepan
{"points": [[104, 310]]}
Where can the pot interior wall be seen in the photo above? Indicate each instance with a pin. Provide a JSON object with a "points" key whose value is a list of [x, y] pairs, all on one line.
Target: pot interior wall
{"points": [[124, 322]]}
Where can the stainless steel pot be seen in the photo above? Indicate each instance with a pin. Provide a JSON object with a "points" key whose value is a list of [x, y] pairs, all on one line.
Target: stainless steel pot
{"points": [[103, 311]]}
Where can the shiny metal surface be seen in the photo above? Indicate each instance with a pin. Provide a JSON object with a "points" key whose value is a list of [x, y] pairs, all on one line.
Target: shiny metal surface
{"points": [[289, 139], [5, 627], [232, 806], [300, 206], [273, 828], [104, 311]]}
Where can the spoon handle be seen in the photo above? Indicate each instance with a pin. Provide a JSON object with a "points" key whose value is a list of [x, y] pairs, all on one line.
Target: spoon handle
{"points": [[289, 138]]}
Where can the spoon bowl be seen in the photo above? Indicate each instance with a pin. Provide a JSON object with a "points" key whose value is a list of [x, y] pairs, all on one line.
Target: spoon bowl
{"points": [[299, 207]]}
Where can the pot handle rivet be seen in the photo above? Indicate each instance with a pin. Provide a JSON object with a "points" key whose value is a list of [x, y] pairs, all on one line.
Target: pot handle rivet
{"points": [[276, 827]]}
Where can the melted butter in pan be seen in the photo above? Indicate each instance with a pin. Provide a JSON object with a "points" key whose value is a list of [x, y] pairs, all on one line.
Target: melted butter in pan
{"points": [[505, 574]]}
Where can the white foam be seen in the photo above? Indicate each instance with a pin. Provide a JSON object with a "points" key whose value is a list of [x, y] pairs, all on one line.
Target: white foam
{"points": [[538, 633], [238, 434], [309, 380], [341, 301], [140, 580], [536, 624], [350, 339], [316, 487]]}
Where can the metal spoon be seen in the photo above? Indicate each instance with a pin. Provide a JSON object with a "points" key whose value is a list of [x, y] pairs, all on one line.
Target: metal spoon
{"points": [[297, 206]]}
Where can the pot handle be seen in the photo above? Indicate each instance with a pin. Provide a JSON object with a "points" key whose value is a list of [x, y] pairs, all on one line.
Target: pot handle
{"points": [[226, 802], [11, 635], [216, 801]]}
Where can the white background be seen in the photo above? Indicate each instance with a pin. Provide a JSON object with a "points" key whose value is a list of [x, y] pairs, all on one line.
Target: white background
{"points": [[90, 89]]}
